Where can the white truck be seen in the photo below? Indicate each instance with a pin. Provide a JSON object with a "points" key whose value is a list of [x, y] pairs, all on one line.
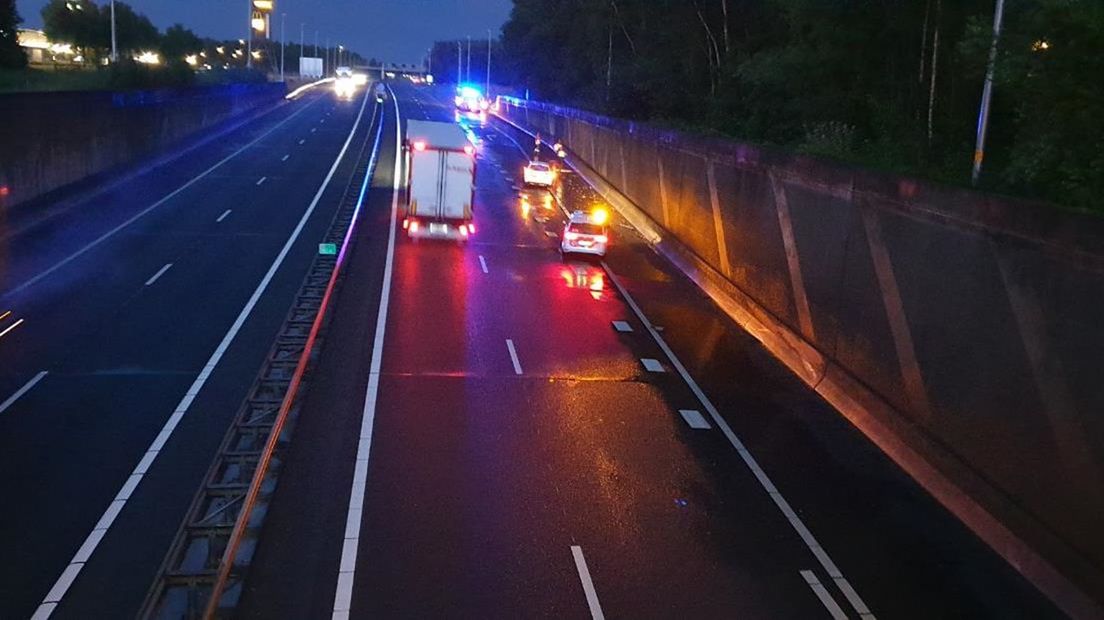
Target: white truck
{"points": [[440, 168]]}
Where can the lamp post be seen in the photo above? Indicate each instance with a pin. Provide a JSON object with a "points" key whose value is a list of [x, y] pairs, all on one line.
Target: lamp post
{"points": [[249, 36], [986, 96], [283, 28], [302, 31], [468, 71], [488, 91], [114, 47], [459, 63]]}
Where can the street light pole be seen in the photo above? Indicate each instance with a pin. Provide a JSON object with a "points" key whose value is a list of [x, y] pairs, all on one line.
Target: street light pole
{"points": [[488, 91], [283, 38], [302, 33], [114, 48], [249, 37], [459, 63], [316, 44], [468, 71], [986, 96]]}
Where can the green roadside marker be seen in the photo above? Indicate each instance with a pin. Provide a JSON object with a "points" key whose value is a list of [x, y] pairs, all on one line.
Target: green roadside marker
{"points": [[327, 249]]}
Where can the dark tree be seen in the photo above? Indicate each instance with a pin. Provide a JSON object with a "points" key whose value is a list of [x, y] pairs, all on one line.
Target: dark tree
{"points": [[179, 42], [75, 22], [11, 55]]}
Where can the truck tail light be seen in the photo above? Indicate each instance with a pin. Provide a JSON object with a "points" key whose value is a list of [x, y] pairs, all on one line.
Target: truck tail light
{"points": [[414, 226], [420, 145]]}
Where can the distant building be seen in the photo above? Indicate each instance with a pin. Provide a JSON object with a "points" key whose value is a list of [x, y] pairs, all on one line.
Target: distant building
{"points": [[40, 51]]}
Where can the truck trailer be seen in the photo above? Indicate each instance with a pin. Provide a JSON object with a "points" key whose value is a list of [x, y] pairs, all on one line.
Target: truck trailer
{"points": [[440, 168]]}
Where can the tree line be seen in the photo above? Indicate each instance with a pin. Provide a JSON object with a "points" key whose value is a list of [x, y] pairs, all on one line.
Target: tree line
{"points": [[892, 84]]}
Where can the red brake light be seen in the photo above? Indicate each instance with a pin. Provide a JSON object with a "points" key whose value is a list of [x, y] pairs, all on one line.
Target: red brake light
{"points": [[469, 149], [414, 226], [420, 145], [471, 228]]}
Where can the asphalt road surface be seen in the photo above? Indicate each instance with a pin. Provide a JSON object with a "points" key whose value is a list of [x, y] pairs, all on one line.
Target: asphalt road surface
{"points": [[533, 436], [140, 312]]}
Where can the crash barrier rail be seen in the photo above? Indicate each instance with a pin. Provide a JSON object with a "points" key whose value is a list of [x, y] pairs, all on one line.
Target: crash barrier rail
{"points": [[203, 572], [958, 330]]}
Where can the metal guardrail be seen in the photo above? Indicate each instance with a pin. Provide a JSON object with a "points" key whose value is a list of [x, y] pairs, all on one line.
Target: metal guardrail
{"points": [[203, 571]]}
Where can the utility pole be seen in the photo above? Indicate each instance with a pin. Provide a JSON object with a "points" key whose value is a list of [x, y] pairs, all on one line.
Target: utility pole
{"points": [[316, 44], [302, 30], [114, 48], [986, 96], [248, 36], [283, 38], [429, 61], [488, 91], [329, 57], [459, 63], [468, 71]]}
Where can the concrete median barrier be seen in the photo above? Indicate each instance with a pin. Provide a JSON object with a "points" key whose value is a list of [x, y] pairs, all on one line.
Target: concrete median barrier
{"points": [[50, 140], [960, 331]]}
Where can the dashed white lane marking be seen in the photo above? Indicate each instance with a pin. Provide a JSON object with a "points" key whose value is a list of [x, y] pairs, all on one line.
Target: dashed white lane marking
{"points": [[622, 326], [694, 418], [822, 593], [137, 216], [514, 356], [11, 327], [588, 584], [84, 554], [343, 593], [223, 216], [314, 129], [261, 182], [799, 526], [285, 157], [483, 264], [160, 272], [652, 365], [301, 142], [23, 390]]}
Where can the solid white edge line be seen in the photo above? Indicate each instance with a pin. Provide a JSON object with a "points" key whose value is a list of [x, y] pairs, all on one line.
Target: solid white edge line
{"points": [[11, 327], [160, 272], [285, 157], [134, 218], [799, 526], [23, 390], [261, 182], [514, 356], [343, 594], [84, 552], [223, 216], [822, 593], [588, 583], [483, 264]]}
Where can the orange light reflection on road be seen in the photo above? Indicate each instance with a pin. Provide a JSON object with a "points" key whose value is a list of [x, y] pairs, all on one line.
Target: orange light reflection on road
{"points": [[591, 279]]}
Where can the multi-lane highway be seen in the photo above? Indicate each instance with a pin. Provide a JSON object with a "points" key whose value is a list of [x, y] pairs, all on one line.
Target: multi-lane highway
{"points": [[494, 431], [140, 312]]}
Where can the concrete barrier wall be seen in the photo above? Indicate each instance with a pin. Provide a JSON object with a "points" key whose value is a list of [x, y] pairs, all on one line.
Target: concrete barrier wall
{"points": [[48, 140], [963, 332]]}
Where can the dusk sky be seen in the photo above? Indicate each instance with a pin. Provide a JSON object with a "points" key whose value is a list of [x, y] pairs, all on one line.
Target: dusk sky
{"points": [[393, 30]]}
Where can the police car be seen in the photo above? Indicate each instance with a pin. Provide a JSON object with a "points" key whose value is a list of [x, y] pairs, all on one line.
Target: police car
{"points": [[586, 233]]}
